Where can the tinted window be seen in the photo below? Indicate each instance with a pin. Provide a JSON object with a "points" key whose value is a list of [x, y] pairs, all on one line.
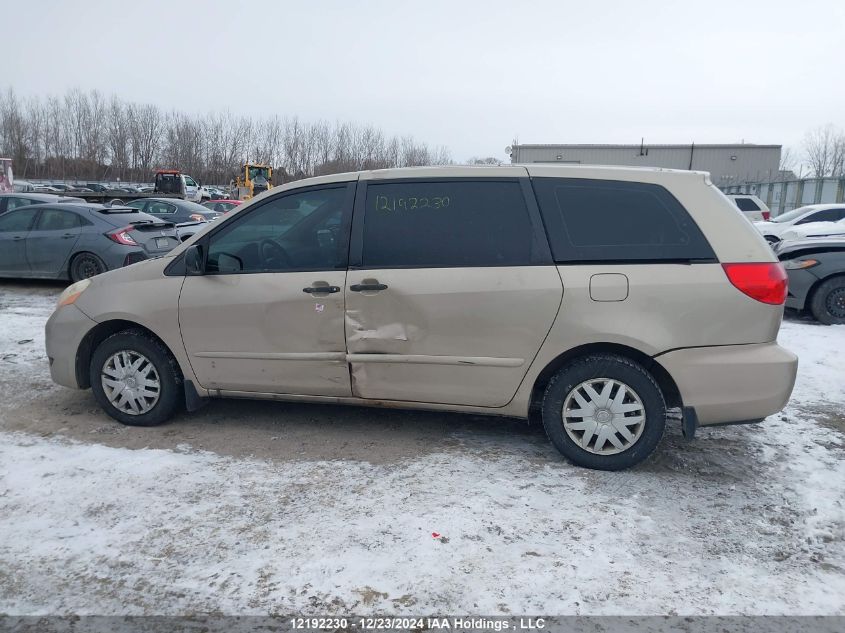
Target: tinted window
{"points": [[746, 204], [607, 220], [827, 215], [301, 231], [136, 204], [445, 224], [55, 220], [17, 220]]}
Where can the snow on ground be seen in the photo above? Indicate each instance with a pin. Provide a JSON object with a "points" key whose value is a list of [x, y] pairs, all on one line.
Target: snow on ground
{"points": [[743, 520]]}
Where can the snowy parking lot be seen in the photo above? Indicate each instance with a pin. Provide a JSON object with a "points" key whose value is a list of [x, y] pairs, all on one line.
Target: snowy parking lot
{"points": [[257, 507]]}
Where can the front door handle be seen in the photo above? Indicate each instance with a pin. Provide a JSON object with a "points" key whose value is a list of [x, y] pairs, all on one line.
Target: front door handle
{"points": [[366, 287], [326, 289]]}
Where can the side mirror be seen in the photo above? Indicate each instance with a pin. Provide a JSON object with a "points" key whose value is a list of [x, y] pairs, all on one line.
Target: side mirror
{"points": [[193, 261]]}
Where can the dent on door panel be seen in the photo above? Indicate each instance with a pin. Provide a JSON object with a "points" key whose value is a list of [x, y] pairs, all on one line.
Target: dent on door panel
{"points": [[454, 336]]}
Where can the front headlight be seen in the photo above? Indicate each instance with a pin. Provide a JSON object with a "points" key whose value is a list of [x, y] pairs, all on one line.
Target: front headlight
{"points": [[797, 264], [72, 292]]}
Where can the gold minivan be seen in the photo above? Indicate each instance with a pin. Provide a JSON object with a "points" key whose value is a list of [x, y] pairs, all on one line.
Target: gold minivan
{"points": [[594, 298]]}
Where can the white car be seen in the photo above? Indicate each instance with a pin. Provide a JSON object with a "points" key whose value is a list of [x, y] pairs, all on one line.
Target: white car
{"points": [[814, 229], [774, 229], [751, 206]]}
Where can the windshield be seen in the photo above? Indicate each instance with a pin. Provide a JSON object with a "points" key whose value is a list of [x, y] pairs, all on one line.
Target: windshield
{"points": [[792, 215], [259, 173]]}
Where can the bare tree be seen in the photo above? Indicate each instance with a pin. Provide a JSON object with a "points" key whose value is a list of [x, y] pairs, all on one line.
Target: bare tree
{"points": [[823, 147]]}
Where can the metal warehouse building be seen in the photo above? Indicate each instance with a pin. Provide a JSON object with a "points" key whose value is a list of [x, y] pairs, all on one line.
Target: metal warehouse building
{"points": [[727, 164]]}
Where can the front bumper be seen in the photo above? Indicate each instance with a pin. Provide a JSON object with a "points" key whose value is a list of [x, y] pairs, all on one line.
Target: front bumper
{"points": [[732, 383], [800, 283], [64, 332]]}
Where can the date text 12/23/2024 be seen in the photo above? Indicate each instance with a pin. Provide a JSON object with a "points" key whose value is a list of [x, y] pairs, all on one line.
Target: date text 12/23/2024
{"points": [[456, 623]]}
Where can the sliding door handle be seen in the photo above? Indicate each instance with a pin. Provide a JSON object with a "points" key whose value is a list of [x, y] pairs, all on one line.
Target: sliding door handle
{"points": [[367, 287]]}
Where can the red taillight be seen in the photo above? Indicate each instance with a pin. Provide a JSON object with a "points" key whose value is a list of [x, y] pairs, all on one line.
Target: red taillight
{"points": [[765, 282], [766, 216], [121, 236], [198, 217]]}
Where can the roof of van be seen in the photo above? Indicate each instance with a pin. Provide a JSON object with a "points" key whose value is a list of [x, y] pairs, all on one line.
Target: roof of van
{"points": [[607, 172]]}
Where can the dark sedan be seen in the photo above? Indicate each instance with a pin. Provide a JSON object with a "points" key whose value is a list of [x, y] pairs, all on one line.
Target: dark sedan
{"points": [[816, 270], [76, 241], [174, 210], [11, 201]]}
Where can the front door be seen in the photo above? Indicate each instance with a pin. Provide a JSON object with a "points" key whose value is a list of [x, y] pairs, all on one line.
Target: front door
{"points": [[14, 228], [450, 293], [50, 243], [267, 315]]}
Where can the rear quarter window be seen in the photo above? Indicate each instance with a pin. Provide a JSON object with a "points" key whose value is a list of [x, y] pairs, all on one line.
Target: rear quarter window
{"points": [[746, 204], [617, 221]]}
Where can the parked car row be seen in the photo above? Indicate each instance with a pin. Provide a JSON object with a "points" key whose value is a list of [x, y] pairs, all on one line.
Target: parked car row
{"points": [[33, 224], [195, 192], [76, 240]]}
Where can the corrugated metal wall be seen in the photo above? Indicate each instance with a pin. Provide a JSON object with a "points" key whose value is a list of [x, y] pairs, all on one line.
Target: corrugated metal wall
{"points": [[727, 164], [788, 195]]}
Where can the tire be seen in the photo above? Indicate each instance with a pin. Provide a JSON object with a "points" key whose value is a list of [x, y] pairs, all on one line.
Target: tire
{"points": [[828, 302], [158, 366], [570, 386], [85, 265]]}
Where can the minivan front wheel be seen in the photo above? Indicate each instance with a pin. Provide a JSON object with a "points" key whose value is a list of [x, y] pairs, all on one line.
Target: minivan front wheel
{"points": [[604, 411], [135, 379]]}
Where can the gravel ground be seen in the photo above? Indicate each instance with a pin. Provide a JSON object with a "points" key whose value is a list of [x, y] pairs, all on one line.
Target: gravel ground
{"points": [[257, 507]]}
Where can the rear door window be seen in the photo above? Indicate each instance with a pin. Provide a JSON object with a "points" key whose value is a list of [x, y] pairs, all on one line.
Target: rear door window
{"points": [[436, 224], [56, 220], [617, 221]]}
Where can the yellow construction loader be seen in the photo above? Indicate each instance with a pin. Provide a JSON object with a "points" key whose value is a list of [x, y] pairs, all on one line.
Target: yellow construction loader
{"points": [[253, 179]]}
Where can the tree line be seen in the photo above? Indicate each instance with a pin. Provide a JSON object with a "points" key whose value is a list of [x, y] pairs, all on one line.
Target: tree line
{"points": [[824, 151], [85, 135]]}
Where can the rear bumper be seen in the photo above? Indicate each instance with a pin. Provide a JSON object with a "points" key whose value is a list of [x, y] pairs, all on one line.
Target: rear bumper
{"points": [[732, 383], [64, 332]]}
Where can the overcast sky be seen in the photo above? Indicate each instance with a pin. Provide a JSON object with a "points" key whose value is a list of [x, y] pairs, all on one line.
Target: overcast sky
{"points": [[468, 75]]}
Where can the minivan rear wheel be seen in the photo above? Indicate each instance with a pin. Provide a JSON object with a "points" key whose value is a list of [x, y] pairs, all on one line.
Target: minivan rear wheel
{"points": [[604, 411], [135, 378], [828, 302]]}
